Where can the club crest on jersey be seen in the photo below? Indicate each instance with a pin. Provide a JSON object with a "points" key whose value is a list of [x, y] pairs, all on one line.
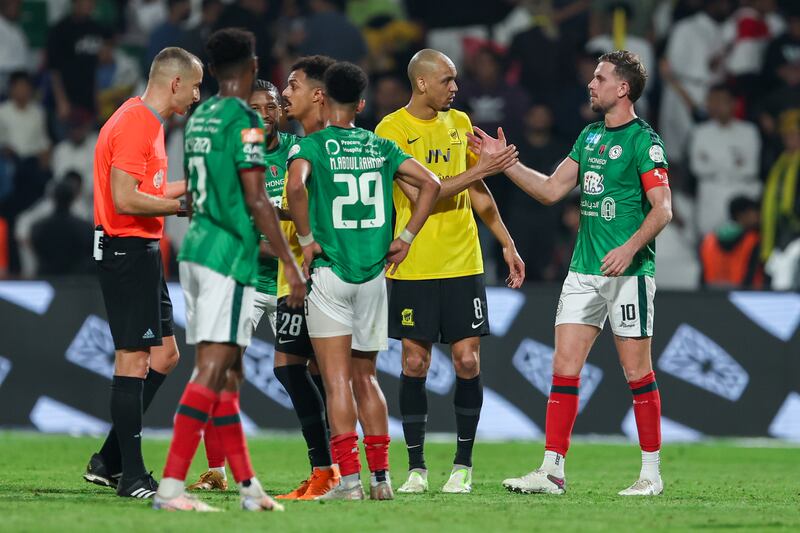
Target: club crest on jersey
{"points": [[252, 136], [454, 138], [608, 209], [158, 178], [593, 183], [273, 170], [407, 317], [615, 152], [656, 154]]}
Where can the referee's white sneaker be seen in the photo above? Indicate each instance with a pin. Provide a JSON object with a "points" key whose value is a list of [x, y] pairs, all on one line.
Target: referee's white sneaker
{"points": [[417, 482], [536, 482], [644, 487]]}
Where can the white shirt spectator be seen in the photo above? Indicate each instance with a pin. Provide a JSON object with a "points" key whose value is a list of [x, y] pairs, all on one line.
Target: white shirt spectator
{"points": [[746, 34], [23, 129], [695, 43], [14, 51], [80, 158], [724, 158]]}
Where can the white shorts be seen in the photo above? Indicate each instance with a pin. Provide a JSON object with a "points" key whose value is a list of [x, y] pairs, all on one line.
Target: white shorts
{"points": [[218, 308], [590, 299], [265, 304], [335, 308]]}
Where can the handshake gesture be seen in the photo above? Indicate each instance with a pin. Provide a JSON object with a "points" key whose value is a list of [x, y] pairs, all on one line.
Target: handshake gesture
{"points": [[494, 155]]}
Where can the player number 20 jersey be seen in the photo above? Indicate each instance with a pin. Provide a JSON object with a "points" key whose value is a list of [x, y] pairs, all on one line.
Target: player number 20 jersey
{"points": [[223, 137]]}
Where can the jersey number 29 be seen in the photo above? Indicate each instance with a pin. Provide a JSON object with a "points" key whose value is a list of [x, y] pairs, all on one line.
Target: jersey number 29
{"points": [[358, 190]]}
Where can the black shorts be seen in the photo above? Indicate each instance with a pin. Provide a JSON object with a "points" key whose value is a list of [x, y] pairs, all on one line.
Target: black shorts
{"points": [[438, 310], [291, 332], [135, 293]]}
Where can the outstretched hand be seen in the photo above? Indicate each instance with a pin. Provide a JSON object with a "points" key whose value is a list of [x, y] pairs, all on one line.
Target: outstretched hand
{"points": [[482, 141]]}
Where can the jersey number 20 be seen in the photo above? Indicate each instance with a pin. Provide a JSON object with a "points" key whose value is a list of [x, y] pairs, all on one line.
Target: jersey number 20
{"points": [[358, 190]]}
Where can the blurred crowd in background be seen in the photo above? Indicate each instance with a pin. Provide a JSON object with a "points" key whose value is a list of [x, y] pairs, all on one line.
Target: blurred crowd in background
{"points": [[723, 92]]}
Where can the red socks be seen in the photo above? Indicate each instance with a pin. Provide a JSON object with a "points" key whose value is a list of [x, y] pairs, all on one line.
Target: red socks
{"points": [[228, 426], [215, 453], [562, 408], [647, 410], [190, 419], [377, 448], [344, 449]]}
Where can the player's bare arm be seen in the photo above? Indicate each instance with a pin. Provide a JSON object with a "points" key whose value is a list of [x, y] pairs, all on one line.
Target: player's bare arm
{"points": [[175, 189], [266, 222], [619, 259], [489, 163], [129, 200], [484, 205], [299, 171], [413, 174], [546, 189]]}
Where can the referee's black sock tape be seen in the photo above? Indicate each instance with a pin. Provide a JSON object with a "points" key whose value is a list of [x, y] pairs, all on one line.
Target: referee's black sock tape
{"points": [[414, 410], [126, 415], [310, 411], [468, 402], [110, 450]]}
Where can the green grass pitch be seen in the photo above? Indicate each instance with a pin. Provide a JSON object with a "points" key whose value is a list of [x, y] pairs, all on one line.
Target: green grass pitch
{"points": [[710, 487]]}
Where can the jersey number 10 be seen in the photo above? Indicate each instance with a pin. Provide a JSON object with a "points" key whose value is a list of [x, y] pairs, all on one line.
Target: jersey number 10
{"points": [[358, 190]]}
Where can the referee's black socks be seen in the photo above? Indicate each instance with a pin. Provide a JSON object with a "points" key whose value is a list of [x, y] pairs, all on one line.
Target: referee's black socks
{"points": [[468, 402], [310, 411], [110, 450], [126, 415], [414, 410]]}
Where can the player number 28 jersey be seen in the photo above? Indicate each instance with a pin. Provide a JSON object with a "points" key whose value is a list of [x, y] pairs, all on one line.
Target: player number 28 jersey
{"points": [[617, 167], [350, 198]]}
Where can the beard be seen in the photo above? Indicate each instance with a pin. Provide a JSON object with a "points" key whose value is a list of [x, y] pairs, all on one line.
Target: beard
{"points": [[596, 107]]}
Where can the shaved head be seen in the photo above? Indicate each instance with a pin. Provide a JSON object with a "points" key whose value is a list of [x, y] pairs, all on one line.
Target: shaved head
{"points": [[173, 61], [433, 79], [426, 62]]}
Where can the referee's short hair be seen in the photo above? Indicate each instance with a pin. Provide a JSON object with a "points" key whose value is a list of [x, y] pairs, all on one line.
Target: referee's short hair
{"points": [[345, 82], [172, 60], [229, 50]]}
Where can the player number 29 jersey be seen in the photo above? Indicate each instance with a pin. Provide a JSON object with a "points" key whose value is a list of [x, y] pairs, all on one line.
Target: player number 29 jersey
{"points": [[617, 167], [350, 198], [223, 137]]}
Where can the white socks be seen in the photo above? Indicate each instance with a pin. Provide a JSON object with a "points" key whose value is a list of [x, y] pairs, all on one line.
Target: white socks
{"points": [[220, 469], [553, 464], [253, 491], [651, 462], [169, 488]]}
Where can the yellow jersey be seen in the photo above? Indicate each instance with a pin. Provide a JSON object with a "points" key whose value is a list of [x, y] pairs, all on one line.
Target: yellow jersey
{"points": [[447, 246], [290, 231]]}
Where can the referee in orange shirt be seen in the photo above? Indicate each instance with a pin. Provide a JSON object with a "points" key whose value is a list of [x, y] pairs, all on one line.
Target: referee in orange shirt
{"points": [[131, 198]]}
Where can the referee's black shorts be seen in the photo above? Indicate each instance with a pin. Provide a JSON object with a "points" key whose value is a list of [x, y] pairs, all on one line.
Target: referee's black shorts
{"points": [[438, 310], [135, 292]]}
